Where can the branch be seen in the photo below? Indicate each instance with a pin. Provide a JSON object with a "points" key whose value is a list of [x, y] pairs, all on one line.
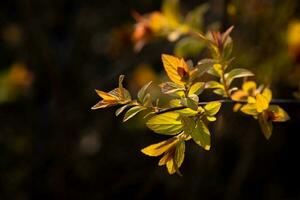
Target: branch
{"points": [[229, 101]]}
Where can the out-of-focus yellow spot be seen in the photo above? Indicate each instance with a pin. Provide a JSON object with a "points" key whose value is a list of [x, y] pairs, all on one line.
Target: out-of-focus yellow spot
{"points": [[12, 34], [143, 75], [157, 22], [19, 75], [293, 33], [231, 10]]}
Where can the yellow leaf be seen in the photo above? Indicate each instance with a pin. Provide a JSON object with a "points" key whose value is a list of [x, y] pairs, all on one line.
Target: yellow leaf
{"points": [[237, 107], [261, 103], [170, 166], [171, 65], [106, 96], [249, 87], [166, 157], [249, 109], [212, 108], [267, 94], [238, 95], [160, 148], [167, 123]]}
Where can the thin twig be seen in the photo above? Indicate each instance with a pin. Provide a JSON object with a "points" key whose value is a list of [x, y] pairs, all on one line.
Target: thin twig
{"points": [[273, 101]]}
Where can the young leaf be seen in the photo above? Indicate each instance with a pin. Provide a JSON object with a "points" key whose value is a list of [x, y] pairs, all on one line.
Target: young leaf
{"points": [[278, 114], [249, 109], [176, 68], [204, 65], [179, 155], [201, 135], [160, 148], [212, 108], [142, 92], [171, 88], [121, 109], [187, 112], [214, 85], [196, 88], [265, 125], [237, 73], [262, 103], [132, 112], [167, 123]]}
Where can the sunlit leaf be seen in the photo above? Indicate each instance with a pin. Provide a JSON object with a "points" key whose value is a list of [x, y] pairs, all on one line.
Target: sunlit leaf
{"points": [[278, 114], [211, 118], [267, 94], [121, 109], [142, 92], [187, 112], [214, 85], [261, 103], [239, 95], [249, 109], [190, 102], [167, 123], [132, 112], [201, 135], [171, 65], [205, 65], [237, 73], [179, 155], [106, 96], [159, 148], [212, 108], [249, 87], [196, 88]]}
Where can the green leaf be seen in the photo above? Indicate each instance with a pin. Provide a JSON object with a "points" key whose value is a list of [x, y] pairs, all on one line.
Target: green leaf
{"points": [[201, 135], [132, 112], [167, 123], [188, 46], [195, 18], [212, 108], [204, 65], [189, 124], [121, 109], [171, 88], [265, 125], [142, 92], [237, 73], [214, 85], [190, 103], [187, 112], [196, 88], [179, 155]]}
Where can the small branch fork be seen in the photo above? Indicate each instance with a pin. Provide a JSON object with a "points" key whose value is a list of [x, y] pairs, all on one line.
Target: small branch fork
{"points": [[229, 101]]}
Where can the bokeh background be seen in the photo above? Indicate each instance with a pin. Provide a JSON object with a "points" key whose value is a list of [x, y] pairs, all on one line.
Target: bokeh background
{"points": [[54, 53]]}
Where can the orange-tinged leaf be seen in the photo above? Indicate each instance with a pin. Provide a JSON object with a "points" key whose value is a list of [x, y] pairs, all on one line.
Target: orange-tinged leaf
{"points": [[160, 148], [278, 114], [171, 65], [239, 95], [106, 96], [166, 157]]}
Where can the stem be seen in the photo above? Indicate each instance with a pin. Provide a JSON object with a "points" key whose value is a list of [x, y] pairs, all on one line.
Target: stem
{"points": [[274, 101], [224, 82]]}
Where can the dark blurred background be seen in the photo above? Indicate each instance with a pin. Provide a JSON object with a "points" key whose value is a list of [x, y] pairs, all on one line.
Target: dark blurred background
{"points": [[54, 53]]}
